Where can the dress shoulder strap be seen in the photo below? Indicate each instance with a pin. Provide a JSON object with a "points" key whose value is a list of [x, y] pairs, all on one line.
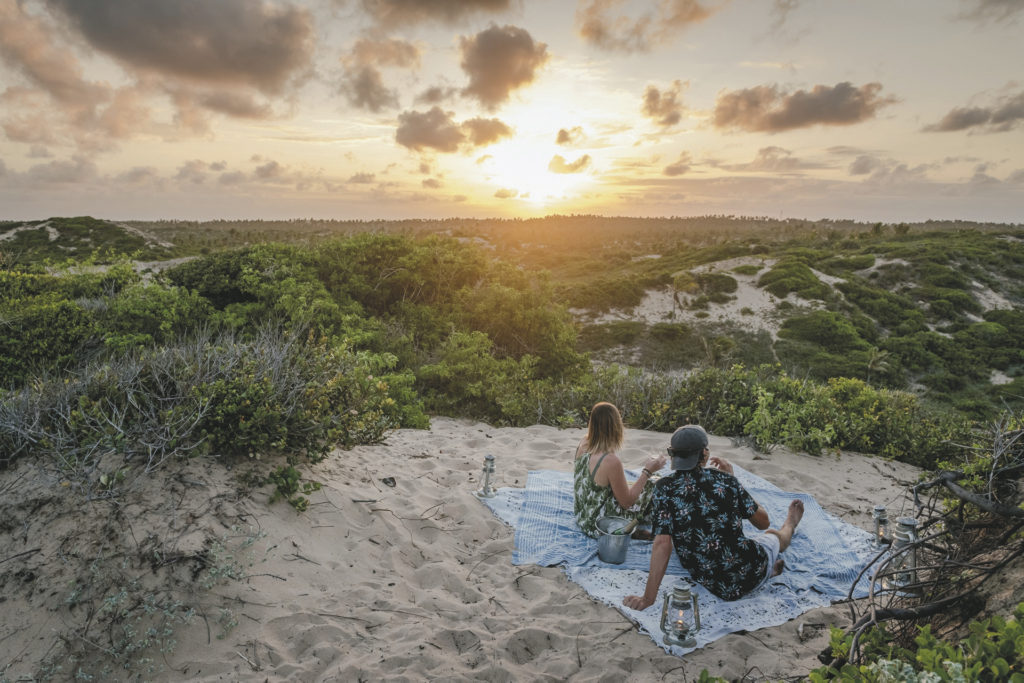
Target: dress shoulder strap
{"points": [[590, 472]]}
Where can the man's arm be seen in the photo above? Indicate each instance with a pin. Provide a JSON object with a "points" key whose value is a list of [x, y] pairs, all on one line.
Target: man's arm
{"points": [[760, 518], [660, 554]]}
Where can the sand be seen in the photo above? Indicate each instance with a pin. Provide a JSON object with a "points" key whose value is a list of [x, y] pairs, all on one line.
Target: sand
{"points": [[397, 572]]}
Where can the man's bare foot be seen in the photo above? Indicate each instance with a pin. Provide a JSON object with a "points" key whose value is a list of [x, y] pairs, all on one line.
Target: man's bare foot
{"points": [[796, 513], [779, 565]]}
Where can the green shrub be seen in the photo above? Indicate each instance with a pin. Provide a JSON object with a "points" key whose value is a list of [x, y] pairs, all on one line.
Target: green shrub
{"points": [[793, 276], [826, 329], [993, 651]]}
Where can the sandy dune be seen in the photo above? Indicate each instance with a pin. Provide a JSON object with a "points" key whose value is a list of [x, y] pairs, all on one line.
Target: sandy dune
{"points": [[414, 581]]}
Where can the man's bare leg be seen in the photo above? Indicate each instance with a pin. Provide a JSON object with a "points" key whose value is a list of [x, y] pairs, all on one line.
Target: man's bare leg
{"points": [[785, 532]]}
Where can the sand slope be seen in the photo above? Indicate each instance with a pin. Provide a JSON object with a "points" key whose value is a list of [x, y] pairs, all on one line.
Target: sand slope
{"points": [[414, 581]]}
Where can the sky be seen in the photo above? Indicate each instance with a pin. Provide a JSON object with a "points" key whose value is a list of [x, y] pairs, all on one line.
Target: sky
{"points": [[875, 110]]}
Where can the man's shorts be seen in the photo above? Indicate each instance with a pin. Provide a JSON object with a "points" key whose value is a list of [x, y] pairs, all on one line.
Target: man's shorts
{"points": [[770, 543]]}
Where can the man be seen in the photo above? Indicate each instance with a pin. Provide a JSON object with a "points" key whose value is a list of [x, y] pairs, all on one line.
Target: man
{"points": [[700, 511]]}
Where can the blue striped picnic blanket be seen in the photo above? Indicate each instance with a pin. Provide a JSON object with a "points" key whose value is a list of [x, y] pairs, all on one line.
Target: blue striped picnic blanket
{"points": [[822, 563]]}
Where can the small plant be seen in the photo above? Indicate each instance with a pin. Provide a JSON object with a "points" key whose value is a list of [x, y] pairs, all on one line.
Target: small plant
{"points": [[288, 485]]}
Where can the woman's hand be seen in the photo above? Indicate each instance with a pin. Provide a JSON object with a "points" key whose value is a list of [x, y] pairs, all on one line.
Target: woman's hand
{"points": [[720, 464], [654, 463]]}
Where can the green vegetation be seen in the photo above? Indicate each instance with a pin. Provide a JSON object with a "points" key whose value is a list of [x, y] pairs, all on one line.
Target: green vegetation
{"points": [[993, 651], [280, 342]]}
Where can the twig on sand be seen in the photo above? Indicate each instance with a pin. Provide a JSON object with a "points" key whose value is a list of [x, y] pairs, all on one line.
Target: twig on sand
{"points": [[302, 557], [254, 665], [27, 552], [342, 616], [484, 559]]}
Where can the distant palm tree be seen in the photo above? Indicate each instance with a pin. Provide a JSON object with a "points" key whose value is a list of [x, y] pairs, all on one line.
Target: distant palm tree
{"points": [[877, 361]]}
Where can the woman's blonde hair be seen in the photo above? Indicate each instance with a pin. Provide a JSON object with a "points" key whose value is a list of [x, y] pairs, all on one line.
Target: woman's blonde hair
{"points": [[605, 431]]}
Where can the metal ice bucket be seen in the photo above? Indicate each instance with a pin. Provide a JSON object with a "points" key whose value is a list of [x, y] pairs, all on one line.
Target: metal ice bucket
{"points": [[612, 547]]}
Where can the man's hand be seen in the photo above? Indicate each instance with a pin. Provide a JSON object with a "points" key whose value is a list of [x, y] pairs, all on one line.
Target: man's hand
{"points": [[637, 602], [720, 464]]}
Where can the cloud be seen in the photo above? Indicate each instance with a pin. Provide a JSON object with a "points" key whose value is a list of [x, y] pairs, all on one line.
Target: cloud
{"points": [[994, 10], [236, 104], [138, 175], [865, 164], [385, 52], [681, 166], [363, 84], [773, 160], [30, 45], [569, 136], [485, 131], [628, 34], [436, 95], [362, 178], [663, 107], [256, 44], [431, 183], [411, 12], [1004, 115], [1017, 177], [75, 171], [560, 165], [499, 60], [437, 130], [765, 108], [433, 129], [506, 193], [364, 87]]}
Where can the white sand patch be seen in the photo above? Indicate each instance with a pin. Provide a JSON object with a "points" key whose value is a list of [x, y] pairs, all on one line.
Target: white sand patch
{"points": [[51, 232], [752, 309], [989, 299], [998, 377]]}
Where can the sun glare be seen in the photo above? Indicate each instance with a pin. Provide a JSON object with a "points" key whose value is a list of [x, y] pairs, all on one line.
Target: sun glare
{"points": [[520, 169]]}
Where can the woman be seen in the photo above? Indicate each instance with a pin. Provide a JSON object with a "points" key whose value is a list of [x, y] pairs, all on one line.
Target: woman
{"points": [[600, 485]]}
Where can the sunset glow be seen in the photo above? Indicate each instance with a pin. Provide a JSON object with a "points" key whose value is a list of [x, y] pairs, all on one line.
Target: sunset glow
{"points": [[392, 109]]}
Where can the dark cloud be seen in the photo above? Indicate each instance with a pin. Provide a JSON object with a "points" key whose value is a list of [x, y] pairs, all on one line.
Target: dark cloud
{"points": [[569, 136], [437, 130], [991, 10], [485, 131], [252, 43], [1005, 114], [436, 95], [271, 170], [385, 52], [194, 171], [433, 129], [74, 171], [405, 12], [39, 152], [236, 104], [431, 183], [681, 166], [558, 164], [765, 108], [364, 87], [362, 178], [663, 107], [499, 60], [773, 160], [139, 175], [1017, 177], [597, 25], [232, 178], [31, 47], [865, 164], [506, 193]]}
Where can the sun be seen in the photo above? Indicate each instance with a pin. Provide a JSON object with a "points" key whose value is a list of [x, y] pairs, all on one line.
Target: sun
{"points": [[520, 168]]}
